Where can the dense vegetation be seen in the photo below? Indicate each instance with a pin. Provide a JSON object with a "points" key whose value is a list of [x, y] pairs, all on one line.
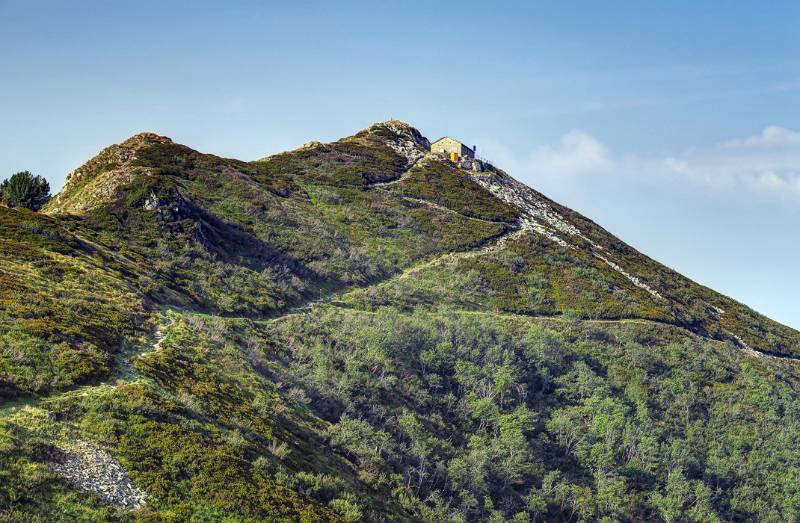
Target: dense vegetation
{"points": [[24, 189], [292, 339]]}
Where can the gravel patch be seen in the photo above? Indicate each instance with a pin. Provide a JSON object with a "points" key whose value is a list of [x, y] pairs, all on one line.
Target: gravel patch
{"points": [[92, 469]]}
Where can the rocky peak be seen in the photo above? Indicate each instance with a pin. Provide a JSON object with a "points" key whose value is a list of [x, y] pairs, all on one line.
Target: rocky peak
{"points": [[406, 132], [114, 156], [402, 138], [311, 145], [97, 180], [145, 138]]}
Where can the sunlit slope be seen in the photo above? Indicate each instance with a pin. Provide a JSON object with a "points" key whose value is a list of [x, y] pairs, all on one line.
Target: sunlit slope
{"points": [[364, 331]]}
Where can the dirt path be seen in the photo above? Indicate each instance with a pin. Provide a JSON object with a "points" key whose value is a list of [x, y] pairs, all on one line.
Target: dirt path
{"points": [[83, 464], [402, 176], [442, 208], [454, 256], [643, 321], [491, 245], [91, 468]]}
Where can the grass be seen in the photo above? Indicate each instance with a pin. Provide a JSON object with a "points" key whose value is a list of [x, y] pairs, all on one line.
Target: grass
{"points": [[444, 184], [457, 378]]}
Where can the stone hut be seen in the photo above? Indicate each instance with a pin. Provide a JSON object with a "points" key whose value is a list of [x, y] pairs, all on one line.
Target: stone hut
{"points": [[454, 149]]}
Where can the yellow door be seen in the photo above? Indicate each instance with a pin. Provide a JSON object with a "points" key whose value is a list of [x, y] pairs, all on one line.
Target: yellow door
{"points": [[453, 157]]}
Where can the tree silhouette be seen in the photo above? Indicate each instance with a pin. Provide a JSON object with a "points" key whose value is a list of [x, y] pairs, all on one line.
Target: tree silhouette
{"points": [[25, 190]]}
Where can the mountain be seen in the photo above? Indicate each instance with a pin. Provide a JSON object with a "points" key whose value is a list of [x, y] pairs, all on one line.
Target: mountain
{"points": [[365, 331]]}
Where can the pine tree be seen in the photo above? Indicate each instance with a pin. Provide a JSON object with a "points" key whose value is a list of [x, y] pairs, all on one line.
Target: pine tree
{"points": [[25, 190]]}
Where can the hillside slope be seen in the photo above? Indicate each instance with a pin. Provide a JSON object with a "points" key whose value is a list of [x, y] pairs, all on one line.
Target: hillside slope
{"points": [[362, 330]]}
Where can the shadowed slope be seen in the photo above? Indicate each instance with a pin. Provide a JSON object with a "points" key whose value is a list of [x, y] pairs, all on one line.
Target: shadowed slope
{"points": [[362, 330]]}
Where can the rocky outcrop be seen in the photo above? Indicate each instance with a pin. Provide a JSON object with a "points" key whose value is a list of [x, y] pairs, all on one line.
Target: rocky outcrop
{"points": [[168, 208], [98, 180], [472, 164], [540, 216], [408, 142], [408, 132], [313, 144], [91, 469], [407, 150], [102, 189]]}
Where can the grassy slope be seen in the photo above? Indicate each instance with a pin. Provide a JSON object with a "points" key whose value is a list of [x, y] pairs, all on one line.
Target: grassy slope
{"points": [[533, 275], [65, 306], [455, 379], [226, 237], [694, 306]]}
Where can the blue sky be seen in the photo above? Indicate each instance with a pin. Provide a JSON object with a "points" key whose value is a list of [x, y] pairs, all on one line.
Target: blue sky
{"points": [[676, 126]]}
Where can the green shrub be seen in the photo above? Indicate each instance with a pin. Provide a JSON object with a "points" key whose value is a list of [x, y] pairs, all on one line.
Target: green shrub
{"points": [[23, 189]]}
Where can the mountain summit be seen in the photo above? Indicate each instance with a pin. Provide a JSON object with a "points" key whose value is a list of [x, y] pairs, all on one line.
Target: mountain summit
{"points": [[370, 330]]}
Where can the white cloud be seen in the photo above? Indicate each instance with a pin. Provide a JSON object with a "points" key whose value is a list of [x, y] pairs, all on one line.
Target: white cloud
{"points": [[577, 153], [770, 137], [676, 165], [785, 185], [766, 165]]}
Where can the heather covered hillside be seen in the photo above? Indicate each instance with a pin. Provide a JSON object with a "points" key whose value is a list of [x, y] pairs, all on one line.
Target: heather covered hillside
{"points": [[364, 330]]}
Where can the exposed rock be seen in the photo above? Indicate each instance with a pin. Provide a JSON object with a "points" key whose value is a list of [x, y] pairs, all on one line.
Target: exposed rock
{"points": [[409, 142], [633, 279], [102, 189], [407, 132], [408, 150], [137, 140], [91, 469], [540, 216], [168, 209], [152, 202], [472, 164], [114, 156], [96, 182]]}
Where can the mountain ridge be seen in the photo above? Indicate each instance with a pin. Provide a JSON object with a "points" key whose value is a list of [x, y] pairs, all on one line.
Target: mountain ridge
{"points": [[540, 214], [344, 331]]}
